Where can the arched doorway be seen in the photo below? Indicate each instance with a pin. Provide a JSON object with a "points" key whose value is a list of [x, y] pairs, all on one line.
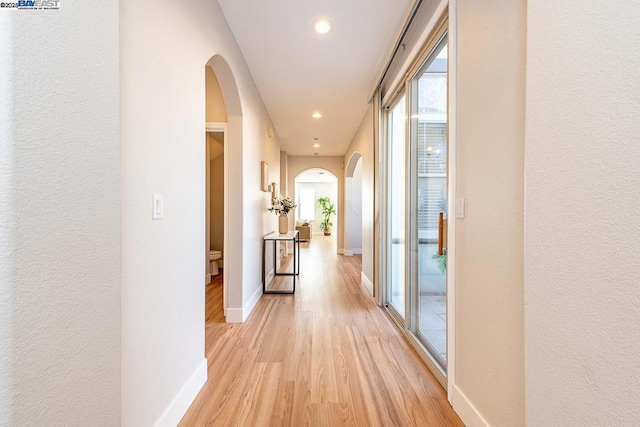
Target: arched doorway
{"points": [[353, 206], [309, 186], [232, 248]]}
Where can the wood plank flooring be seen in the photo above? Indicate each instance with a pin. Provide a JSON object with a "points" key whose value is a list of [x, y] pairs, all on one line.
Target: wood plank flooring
{"points": [[326, 356]]}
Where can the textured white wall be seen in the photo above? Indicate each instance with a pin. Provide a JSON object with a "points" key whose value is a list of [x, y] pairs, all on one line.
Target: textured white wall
{"points": [[60, 216], [7, 221], [164, 48], [489, 353], [284, 175], [582, 268], [362, 142]]}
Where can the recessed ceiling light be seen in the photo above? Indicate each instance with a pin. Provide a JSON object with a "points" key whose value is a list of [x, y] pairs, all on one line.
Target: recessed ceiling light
{"points": [[316, 115], [322, 26], [316, 145]]}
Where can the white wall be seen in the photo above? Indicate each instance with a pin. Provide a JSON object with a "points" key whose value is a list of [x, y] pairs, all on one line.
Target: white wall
{"points": [[164, 47], [362, 143], [60, 216], [583, 214], [283, 188], [489, 353]]}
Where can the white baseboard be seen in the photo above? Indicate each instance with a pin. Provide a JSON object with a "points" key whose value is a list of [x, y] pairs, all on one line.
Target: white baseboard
{"points": [[250, 305], [357, 251], [348, 252], [185, 397], [233, 315], [366, 282], [239, 315], [465, 409]]}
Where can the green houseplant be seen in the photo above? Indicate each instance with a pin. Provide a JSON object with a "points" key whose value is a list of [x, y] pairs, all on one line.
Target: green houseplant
{"points": [[328, 209], [441, 261]]}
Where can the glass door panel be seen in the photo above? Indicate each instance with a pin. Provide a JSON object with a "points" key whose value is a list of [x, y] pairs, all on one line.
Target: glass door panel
{"points": [[429, 143], [397, 197]]}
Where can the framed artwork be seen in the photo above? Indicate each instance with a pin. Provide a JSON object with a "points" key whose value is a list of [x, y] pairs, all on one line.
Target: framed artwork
{"points": [[265, 177]]}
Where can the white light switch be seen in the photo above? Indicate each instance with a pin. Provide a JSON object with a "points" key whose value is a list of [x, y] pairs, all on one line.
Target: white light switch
{"points": [[460, 208], [158, 206]]}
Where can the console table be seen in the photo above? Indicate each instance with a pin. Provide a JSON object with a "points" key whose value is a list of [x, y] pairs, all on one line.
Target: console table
{"points": [[292, 236]]}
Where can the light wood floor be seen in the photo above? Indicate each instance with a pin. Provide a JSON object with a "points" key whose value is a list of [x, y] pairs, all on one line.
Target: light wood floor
{"points": [[326, 356]]}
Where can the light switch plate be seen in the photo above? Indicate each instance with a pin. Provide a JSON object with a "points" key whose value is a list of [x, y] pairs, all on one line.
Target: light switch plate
{"points": [[158, 207], [460, 208]]}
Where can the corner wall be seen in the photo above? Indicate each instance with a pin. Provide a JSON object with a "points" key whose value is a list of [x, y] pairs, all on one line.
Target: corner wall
{"points": [[164, 48], [489, 308], [60, 216], [582, 269]]}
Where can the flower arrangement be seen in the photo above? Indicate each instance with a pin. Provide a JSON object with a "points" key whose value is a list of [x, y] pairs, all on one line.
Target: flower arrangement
{"points": [[282, 205]]}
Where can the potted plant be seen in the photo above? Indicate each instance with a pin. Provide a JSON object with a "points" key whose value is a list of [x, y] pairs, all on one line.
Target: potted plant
{"points": [[281, 206], [441, 261], [328, 209]]}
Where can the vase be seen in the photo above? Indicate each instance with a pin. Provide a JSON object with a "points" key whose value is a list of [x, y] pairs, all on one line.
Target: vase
{"points": [[283, 224]]}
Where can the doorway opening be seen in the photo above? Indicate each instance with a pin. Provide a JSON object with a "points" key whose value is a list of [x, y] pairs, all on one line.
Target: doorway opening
{"points": [[215, 147], [353, 212], [353, 206], [312, 220], [223, 165]]}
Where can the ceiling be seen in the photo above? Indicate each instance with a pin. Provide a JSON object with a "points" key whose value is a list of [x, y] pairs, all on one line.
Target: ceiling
{"points": [[299, 72]]}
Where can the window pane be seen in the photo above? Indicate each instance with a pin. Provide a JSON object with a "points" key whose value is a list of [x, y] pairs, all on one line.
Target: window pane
{"points": [[307, 203], [431, 125], [397, 197]]}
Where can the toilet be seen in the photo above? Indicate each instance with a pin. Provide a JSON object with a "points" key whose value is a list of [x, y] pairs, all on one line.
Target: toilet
{"points": [[215, 261]]}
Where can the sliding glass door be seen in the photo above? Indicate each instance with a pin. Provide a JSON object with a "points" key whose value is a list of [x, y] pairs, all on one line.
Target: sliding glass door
{"points": [[416, 204], [397, 130], [429, 200]]}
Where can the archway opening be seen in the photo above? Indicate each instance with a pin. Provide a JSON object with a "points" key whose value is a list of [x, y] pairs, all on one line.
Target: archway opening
{"points": [[228, 126], [353, 206], [311, 186]]}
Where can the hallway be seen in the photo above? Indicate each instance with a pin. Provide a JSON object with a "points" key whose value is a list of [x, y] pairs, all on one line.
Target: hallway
{"points": [[327, 355]]}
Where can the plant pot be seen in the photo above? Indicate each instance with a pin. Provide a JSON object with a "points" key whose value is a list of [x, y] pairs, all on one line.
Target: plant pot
{"points": [[283, 224], [327, 232]]}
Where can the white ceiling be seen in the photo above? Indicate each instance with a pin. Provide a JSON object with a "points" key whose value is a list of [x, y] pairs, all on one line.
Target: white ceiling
{"points": [[299, 72]]}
